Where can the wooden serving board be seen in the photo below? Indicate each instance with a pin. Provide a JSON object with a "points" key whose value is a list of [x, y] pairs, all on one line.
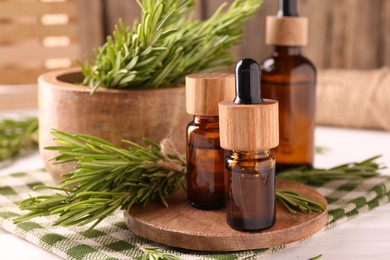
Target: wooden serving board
{"points": [[183, 226]]}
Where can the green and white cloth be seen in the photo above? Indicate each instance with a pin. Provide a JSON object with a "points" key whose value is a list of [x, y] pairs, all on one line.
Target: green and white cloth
{"points": [[111, 239]]}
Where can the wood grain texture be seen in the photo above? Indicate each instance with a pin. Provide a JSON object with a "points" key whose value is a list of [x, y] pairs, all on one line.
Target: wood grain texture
{"points": [[384, 38], [286, 31], [13, 75], [318, 42], [35, 52], [199, 9], [152, 113], [352, 41], [128, 11], [253, 44], [12, 9], [350, 34], [182, 226], [31, 31], [204, 92], [90, 26], [37, 36], [344, 34], [249, 127], [347, 34]]}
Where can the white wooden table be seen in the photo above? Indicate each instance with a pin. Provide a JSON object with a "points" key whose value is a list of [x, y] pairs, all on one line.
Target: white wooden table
{"points": [[365, 237]]}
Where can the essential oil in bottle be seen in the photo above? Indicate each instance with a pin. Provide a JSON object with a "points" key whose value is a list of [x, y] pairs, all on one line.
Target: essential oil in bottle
{"points": [[290, 78], [205, 157], [249, 128]]}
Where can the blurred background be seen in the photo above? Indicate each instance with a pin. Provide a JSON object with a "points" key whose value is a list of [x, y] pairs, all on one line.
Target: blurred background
{"points": [[37, 35], [41, 35]]}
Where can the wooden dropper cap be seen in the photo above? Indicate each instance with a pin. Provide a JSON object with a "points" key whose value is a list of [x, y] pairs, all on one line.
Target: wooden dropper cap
{"points": [[287, 29], [249, 123], [204, 91]]}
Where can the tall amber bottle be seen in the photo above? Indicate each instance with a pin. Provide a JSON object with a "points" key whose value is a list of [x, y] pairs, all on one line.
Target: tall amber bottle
{"points": [[290, 78], [205, 157], [249, 128]]}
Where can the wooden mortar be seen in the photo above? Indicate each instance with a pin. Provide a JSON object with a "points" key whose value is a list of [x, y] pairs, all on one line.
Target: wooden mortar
{"points": [[111, 114]]}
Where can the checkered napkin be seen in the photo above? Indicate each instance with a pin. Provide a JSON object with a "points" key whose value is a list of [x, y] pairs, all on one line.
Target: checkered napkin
{"points": [[111, 239]]}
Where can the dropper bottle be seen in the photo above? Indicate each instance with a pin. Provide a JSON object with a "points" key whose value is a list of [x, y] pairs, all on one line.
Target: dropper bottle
{"points": [[205, 157], [290, 78], [249, 129]]}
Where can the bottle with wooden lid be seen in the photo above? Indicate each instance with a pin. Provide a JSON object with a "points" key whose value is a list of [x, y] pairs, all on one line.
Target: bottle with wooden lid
{"points": [[249, 128], [205, 157], [290, 78]]}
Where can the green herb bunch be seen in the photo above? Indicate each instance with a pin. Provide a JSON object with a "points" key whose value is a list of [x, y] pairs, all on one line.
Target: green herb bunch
{"points": [[349, 171], [107, 178], [17, 136], [167, 45]]}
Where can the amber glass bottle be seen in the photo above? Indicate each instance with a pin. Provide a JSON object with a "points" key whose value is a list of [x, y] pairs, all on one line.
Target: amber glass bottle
{"points": [[250, 194], [249, 128], [205, 179], [205, 157], [290, 78]]}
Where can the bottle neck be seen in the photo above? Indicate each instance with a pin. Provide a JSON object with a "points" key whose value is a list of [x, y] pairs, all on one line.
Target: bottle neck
{"points": [[287, 8], [251, 155], [287, 50], [206, 119]]}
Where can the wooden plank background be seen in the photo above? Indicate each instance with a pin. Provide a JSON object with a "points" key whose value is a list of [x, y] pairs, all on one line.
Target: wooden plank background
{"points": [[36, 36], [348, 34]]}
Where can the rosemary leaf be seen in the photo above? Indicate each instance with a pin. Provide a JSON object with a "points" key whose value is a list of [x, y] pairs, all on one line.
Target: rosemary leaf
{"points": [[17, 137], [155, 254], [316, 257], [167, 45], [350, 171], [294, 202], [108, 178]]}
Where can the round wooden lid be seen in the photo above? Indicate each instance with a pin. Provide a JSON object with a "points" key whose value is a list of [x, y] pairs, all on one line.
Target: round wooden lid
{"points": [[286, 31], [205, 90], [249, 127]]}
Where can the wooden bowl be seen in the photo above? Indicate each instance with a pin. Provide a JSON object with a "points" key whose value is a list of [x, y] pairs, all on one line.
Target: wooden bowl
{"points": [[111, 114]]}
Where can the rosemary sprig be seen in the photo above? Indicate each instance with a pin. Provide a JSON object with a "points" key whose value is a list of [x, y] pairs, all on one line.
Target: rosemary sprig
{"points": [[295, 202], [155, 254], [349, 171], [167, 45], [106, 178], [316, 257], [17, 136]]}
